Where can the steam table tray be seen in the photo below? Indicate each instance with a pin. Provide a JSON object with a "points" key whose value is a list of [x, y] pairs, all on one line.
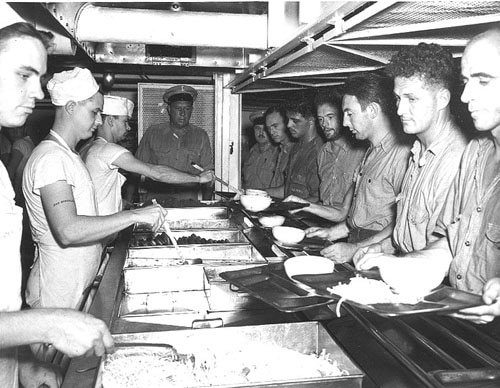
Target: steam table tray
{"points": [[270, 284], [442, 300]]}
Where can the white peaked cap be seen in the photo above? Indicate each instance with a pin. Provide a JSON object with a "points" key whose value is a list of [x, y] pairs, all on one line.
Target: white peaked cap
{"points": [[72, 85], [117, 106]]}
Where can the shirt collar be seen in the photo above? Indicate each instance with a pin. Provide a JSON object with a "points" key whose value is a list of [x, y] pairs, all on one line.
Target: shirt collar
{"points": [[439, 145], [387, 142]]}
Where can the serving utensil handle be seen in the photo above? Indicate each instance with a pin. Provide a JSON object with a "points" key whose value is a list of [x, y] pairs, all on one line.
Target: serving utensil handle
{"points": [[199, 168]]}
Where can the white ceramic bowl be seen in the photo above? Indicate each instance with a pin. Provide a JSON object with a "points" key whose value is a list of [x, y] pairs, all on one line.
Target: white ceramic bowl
{"points": [[288, 235], [255, 203], [410, 280], [308, 265], [271, 221], [263, 193]]}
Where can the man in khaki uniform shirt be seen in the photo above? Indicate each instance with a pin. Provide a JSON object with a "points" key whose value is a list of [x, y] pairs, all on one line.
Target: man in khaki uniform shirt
{"points": [[276, 124], [469, 224], [337, 159], [177, 144], [258, 169], [368, 112], [301, 174], [423, 77]]}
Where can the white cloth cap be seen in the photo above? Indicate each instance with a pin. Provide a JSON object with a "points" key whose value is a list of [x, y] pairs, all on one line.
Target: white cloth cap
{"points": [[72, 85], [117, 106]]}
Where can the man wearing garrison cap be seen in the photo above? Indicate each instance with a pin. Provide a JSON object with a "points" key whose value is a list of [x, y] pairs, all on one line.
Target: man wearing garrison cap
{"points": [[177, 144], [259, 167], [104, 157], [61, 201]]}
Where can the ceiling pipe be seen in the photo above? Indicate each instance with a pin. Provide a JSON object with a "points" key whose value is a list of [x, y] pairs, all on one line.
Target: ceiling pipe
{"points": [[174, 28]]}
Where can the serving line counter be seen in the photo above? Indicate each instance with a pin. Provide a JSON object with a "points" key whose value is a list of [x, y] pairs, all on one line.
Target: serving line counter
{"points": [[421, 351]]}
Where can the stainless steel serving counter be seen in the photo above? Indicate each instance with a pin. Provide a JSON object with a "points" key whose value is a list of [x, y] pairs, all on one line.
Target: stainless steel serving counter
{"points": [[106, 302], [422, 351]]}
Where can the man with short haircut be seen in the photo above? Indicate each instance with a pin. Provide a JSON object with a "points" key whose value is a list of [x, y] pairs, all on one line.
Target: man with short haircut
{"points": [[104, 158], [177, 144], [60, 199], [369, 208], [424, 77], [337, 160], [467, 248], [301, 177], [259, 167], [23, 61], [276, 123]]}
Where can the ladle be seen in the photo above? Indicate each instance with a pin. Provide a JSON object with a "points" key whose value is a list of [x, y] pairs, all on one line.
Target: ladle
{"points": [[168, 231]]}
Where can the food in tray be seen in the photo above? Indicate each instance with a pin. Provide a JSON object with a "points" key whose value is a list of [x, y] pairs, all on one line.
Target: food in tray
{"points": [[370, 291], [140, 367], [163, 239], [195, 239]]}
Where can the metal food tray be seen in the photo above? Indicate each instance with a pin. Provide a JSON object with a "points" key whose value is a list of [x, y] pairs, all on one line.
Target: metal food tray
{"points": [[139, 280], [234, 236], [211, 254], [270, 284], [304, 337], [196, 217], [442, 300], [213, 304], [311, 245], [215, 297]]}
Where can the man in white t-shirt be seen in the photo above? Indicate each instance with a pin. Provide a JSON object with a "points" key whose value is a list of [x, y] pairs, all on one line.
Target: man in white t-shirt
{"points": [[60, 199], [104, 158]]}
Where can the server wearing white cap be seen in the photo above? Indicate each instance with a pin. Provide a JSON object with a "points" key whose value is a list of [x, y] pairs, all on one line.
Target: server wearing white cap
{"points": [[104, 158], [177, 144], [60, 198]]}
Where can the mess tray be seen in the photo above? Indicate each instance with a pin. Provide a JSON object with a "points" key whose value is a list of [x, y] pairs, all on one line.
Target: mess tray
{"points": [[270, 284], [311, 245], [442, 300]]}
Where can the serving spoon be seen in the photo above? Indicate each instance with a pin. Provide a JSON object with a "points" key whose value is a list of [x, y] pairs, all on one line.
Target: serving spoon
{"points": [[168, 231]]}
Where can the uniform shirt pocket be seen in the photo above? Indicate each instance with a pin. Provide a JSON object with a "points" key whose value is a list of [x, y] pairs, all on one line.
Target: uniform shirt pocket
{"points": [[493, 234]]}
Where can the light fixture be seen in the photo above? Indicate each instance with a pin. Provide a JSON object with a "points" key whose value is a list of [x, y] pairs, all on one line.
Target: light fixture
{"points": [[108, 80]]}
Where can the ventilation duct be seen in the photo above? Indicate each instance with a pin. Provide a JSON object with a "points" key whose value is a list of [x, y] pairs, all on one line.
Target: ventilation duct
{"points": [[174, 28]]}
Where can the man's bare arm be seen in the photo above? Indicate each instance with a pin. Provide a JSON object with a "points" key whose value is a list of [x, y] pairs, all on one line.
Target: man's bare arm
{"points": [[70, 229], [69, 331], [159, 173]]}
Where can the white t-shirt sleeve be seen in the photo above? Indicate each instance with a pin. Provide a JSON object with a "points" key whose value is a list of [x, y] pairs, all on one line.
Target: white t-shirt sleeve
{"points": [[110, 152], [51, 168]]}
